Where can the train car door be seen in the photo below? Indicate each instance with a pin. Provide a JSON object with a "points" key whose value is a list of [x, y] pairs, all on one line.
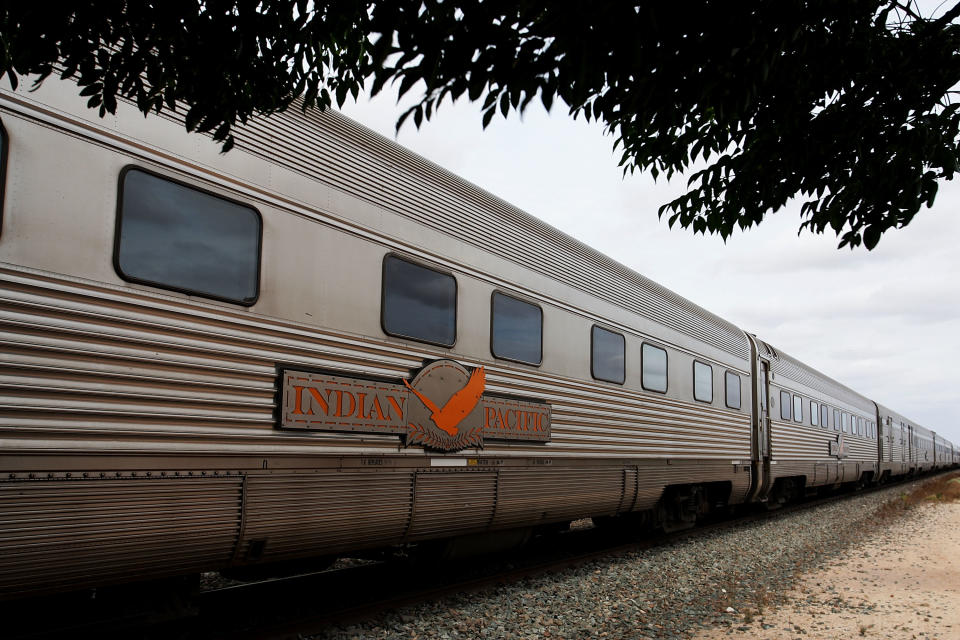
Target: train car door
{"points": [[763, 425], [760, 422], [903, 443], [881, 434], [764, 410], [911, 446]]}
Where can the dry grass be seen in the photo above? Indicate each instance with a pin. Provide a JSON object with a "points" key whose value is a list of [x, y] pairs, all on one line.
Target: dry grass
{"points": [[943, 488]]}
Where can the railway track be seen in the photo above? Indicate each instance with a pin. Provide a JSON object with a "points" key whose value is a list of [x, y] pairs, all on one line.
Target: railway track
{"points": [[307, 604]]}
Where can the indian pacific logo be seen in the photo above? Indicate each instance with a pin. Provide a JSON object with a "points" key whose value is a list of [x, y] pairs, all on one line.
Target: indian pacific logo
{"points": [[838, 447], [444, 407], [447, 413]]}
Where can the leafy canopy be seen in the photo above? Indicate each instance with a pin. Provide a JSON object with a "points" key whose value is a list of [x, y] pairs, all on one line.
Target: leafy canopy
{"points": [[845, 103]]}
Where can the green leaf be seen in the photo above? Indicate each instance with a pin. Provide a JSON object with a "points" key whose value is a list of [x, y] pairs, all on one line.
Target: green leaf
{"points": [[488, 116]]}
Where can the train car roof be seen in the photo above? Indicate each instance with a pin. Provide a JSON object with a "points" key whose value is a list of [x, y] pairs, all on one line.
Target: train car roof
{"points": [[898, 417], [793, 369]]}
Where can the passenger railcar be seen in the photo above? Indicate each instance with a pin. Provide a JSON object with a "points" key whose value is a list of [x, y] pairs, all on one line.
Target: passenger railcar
{"points": [[822, 432], [321, 342]]}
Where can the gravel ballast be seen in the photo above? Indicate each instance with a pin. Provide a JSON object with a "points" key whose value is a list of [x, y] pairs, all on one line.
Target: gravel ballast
{"points": [[670, 591]]}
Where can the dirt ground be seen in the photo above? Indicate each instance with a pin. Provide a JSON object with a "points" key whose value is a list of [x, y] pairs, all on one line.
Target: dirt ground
{"points": [[903, 584]]}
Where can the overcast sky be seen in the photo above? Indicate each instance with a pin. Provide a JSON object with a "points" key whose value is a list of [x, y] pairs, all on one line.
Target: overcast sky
{"points": [[883, 322]]}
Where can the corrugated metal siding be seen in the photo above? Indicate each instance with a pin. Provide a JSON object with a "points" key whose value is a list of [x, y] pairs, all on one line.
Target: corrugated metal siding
{"points": [[898, 446], [320, 513], [550, 495], [448, 502], [129, 371], [792, 441], [80, 532], [821, 473], [333, 149], [105, 376], [861, 449]]}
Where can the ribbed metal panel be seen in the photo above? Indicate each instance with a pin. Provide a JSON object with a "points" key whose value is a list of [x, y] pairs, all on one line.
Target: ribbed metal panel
{"points": [[319, 513], [553, 495], [820, 473], [791, 441], [85, 532], [134, 372], [453, 502], [334, 149], [898, 446], [923, 452], [861, 449]]}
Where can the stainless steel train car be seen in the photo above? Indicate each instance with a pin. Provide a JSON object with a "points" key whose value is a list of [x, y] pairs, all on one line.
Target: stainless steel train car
{"points": [[321, 342], [895, 441], [821, 433]]}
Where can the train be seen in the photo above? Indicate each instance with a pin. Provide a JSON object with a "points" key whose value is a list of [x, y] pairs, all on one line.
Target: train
{"points": [[321, 343]]}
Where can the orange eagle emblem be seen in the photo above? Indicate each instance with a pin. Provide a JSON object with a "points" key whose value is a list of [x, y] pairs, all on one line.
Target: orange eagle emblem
{"points": [[458, 406]]}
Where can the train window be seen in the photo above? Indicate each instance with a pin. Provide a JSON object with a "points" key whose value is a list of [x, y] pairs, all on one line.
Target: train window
{"points": [[654, 365], [814, 414], [516, 329], [846, 422], [702, 382], [733, 390], [607, 359], [418, 302], [836, 419], [797, 409], [824, 416], [784, 405], [860, 428], [175, 236]]}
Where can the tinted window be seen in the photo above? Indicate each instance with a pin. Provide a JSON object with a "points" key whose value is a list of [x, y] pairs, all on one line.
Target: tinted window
{"points": [[607, 355], [814, 414], [516, 329], [733, 390], [418, 302], [654, 368], [797, 409], [824, 416], [836, 420], [702, 382], [846, 422], [178, 237], [784, 405]]}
